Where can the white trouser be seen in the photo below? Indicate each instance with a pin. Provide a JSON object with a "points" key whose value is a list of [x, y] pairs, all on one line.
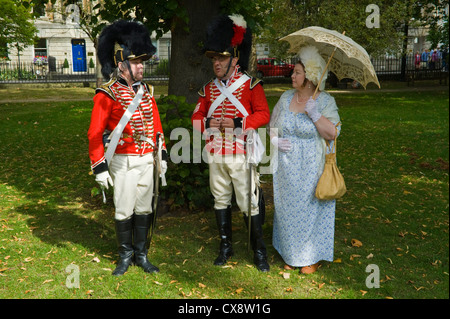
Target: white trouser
{"points": [[232, 171], [133, 184]]}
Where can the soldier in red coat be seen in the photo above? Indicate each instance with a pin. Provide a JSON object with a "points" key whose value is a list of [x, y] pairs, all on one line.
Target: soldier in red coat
{"points": [[229, 107], [122, 48]]}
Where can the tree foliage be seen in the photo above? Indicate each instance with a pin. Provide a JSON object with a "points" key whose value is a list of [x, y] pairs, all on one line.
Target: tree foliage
{"points": [[16, 24], [187, 21], [339, 15], [434, 14], [164, 15]]}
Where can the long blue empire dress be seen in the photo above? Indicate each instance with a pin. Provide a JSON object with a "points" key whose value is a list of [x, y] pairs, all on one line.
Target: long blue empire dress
{"points": [[303, 227]]}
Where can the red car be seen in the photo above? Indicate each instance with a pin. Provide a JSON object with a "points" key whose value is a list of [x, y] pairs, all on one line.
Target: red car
{"points": [[273, 67]]}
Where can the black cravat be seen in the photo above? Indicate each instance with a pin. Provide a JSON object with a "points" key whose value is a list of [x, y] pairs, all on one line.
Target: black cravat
{"points": [[135, 86]]}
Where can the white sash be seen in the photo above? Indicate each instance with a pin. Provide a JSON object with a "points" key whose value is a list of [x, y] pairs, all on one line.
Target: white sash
{"points": [[227, 92], [255, 146], [117, 132]]}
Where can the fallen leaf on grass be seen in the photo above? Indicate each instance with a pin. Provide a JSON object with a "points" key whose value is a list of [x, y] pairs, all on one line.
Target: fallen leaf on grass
{"points": [[201, 285], [96, 260], [286, 275], [436, 263], [48, 280], [239, 290], [356, 243]]}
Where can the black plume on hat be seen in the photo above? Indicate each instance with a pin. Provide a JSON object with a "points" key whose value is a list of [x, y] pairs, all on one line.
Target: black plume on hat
{"points": [[228, 35], [123, 40]]}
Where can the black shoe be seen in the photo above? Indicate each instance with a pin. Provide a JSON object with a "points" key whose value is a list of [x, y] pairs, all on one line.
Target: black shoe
{"points": [[124, 233], [142, 224], [223, 219], [257, 243]]}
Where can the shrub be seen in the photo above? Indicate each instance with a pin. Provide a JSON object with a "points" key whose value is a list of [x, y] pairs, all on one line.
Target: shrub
{"points": [[187, 183]]}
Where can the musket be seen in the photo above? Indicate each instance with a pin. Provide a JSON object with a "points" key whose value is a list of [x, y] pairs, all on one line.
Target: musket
{"points": [[250, 188], [156, 176]]}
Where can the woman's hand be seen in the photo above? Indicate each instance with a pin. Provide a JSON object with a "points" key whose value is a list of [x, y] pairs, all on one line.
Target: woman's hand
{"points": [[325, 128], [311, 110], [283, 144]]}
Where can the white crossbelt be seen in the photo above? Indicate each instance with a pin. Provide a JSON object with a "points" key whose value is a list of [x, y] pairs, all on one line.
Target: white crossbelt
{"points": [[256, 149], [117, 132], [147, 139], [227, 92]]}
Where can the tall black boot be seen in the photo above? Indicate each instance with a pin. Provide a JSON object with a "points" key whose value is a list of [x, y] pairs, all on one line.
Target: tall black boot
{"points": [[124, 233], [257, 243], [142, 224], [223, 219]]}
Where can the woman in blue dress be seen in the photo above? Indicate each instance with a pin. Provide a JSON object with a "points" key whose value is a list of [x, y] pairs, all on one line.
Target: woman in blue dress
{"points": [[303, 227]]}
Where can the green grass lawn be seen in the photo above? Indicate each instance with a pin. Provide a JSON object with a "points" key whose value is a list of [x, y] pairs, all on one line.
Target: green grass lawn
{"points": [[393, 153]]}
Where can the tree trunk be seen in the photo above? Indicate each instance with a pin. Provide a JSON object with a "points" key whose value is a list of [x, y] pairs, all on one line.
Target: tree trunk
{"points": [[189, 68], [404, 52]]}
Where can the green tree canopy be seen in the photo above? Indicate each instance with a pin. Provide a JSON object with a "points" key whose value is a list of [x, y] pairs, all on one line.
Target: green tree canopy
{"points": [[16, 24], [339, 15], [187, 21]]}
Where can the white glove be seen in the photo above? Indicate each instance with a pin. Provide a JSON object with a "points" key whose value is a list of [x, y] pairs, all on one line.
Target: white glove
{"points": [[163, 173], [163, 167], [283, 144], [104, 179], [311, 110]]}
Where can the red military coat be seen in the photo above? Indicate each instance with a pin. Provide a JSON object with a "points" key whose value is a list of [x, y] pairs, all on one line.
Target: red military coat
{"points": [[110, 102], [252, 97]]}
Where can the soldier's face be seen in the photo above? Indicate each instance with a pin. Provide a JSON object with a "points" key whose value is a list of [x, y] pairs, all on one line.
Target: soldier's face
{"points": [[137, 68], [220, 66]]}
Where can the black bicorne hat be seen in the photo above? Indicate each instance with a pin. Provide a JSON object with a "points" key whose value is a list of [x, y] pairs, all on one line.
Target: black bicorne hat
{"points": [[229, 36], [123, 40]]}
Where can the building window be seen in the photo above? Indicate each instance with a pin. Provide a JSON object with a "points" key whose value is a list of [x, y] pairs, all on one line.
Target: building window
{"points": [[40, 47], [3, 50]]}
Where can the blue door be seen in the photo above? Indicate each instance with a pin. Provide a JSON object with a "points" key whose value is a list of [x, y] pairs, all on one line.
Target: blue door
{"points": [[79, 55]]}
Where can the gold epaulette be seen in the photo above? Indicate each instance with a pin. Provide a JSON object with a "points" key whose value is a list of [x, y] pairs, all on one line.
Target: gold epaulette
{"points": [[149, 88], [106, 88], [201, 92], [253, 81]]}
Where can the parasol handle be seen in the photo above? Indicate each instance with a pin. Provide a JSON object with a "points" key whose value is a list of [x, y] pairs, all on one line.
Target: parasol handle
{"points": [[323, 73]]}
